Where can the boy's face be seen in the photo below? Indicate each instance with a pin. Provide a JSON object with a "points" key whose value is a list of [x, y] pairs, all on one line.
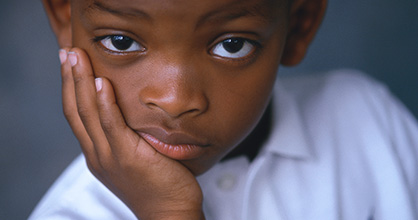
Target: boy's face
{"points": [[186, 72]]}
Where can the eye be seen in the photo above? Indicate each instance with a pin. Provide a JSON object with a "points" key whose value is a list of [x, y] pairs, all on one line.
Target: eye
{"points": [[120, 43], [234, 48]]}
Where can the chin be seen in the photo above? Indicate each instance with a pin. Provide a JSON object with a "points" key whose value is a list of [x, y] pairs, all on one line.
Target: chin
{"points": [[196, 167]]}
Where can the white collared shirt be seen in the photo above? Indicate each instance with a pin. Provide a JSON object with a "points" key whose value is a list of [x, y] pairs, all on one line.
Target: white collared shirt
{"points": [[341, 147]]}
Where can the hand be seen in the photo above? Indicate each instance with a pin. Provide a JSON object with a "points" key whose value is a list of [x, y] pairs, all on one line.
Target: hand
{"points": [[150, 184]]}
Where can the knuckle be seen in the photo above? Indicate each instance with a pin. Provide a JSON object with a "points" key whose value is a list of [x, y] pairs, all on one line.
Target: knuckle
{"points": [[101, 104], [107, 125], [69, 113], [66, 77], [83, 111], [94, 168], [106, 164], [101, 167], [77, 77]]}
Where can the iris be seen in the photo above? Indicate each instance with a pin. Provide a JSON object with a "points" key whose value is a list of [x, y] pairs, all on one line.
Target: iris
{"points": [[233, 45], [122, 42]]}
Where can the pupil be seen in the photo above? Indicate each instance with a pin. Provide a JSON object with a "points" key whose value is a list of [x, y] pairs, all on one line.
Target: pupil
{"points": [[121, 42], [233, 45]]}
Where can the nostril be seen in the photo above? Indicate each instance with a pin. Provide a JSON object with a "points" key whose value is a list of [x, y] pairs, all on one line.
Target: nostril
{"points": [[174, 102], [151, 105], [176, 108], [191, 111]]}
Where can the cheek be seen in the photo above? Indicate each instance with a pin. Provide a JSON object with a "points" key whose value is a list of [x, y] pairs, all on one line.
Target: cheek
{"points": [[246, 96], [126, 87], [236, 112], [243, 108]]}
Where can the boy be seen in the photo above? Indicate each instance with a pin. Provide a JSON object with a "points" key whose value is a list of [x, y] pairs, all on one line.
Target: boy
{"points": [[158, 92]]}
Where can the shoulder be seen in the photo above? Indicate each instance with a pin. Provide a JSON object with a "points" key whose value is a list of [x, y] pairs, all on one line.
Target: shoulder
{"points": [[351, 100], [344, 85], [349, 112], [353, 122], [342, 94]]}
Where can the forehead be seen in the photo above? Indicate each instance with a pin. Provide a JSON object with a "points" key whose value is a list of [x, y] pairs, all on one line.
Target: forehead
{"points": [[201, 10]]}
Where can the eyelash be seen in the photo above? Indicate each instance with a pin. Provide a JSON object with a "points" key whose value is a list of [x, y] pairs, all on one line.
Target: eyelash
{"points": [[99, 39], [250, 46]]}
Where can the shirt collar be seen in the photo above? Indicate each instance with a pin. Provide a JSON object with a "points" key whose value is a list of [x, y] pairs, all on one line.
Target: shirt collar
{"points": [[288, 136]]}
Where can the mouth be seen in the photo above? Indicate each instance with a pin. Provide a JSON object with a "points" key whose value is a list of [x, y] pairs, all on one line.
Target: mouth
{"points": [[177, 146]]}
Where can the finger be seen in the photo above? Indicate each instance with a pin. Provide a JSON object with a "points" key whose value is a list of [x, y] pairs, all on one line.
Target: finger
{"points": [[71, 113], [122, 139], [85, 96], [70, 106]]}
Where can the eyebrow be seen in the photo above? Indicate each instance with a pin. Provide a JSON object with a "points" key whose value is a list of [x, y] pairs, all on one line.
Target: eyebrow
{"points": [[220, 15], [97, 5], [257, 10]]}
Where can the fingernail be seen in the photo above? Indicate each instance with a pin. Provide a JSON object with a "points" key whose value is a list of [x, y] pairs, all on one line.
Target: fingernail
{"points": [[72, 57], [62, 55], [99, 84]]}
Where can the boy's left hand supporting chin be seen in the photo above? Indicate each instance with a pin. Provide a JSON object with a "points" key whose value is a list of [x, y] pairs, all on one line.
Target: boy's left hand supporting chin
{"points": [[150, 184]]}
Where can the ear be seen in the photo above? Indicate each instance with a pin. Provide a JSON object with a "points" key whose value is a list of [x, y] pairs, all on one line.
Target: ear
{"points": [[305, 18], [59, 14]]}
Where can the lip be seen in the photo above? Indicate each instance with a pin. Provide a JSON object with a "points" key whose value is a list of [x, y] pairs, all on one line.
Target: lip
{"points": [[177, 146]]}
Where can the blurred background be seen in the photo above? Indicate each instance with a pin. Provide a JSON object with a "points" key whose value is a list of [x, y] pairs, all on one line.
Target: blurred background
{"points": [[379, 37]]}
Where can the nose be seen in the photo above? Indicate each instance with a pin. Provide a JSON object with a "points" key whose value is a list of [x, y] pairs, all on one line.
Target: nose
{"points": [[176, 93]]}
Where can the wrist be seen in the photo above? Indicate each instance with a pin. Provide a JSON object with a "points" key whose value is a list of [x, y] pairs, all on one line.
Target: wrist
{"points": [[177, 211], [192, 215], [176, 215]]}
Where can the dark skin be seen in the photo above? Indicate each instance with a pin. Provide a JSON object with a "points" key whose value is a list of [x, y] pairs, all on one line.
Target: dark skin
{"points": [[200, 77]]}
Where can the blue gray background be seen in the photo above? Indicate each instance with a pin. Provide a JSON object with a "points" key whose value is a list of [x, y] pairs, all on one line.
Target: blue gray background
{"points": [[379, 37]]}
